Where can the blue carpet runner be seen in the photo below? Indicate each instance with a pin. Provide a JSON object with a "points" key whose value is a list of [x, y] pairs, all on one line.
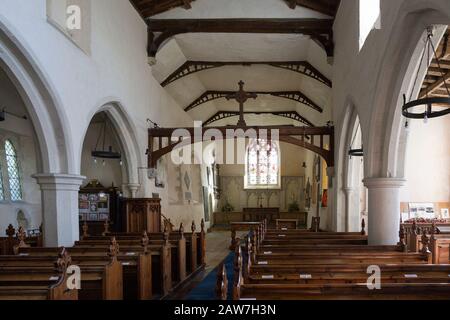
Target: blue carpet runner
{"points": [[205, 290]]}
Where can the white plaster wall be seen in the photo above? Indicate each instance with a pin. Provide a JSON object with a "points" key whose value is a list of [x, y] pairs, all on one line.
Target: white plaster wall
{"points": [[374, 78], [428, 162], [115, 71]]}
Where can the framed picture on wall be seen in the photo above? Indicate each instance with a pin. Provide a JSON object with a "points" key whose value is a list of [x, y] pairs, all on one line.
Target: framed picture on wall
{"points": [[445, 213]]}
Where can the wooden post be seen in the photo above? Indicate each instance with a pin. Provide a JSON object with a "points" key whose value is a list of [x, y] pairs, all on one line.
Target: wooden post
{"points": [[425, 246], [238, 282], [145, 282], [193, 247], [233, 238], [402, 242], [255, 244], [166, 262], [182, 254], [105, 228], [202, 243], [145, 241], [21, 237], [9, 242], [85, 229], [222, 283]]}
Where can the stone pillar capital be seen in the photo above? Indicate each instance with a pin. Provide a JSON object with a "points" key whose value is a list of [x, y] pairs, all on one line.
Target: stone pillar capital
{"points": [[133, 187], [60, 182], [384, 183]]}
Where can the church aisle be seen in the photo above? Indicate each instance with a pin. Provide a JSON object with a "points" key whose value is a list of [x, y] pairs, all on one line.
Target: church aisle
{"points": [[203, 287]]}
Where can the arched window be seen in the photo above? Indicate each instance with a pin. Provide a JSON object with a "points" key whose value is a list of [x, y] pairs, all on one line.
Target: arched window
{"points": [[262, 165], [15, 186], [2, 195], [369, 18]]}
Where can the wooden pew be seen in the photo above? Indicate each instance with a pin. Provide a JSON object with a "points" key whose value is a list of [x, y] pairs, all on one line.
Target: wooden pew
{"points": [[38, 284], [438, 243], [433, 283], [161, 257], [136, 262], [12, 241], [195, 244], [101, 273]]}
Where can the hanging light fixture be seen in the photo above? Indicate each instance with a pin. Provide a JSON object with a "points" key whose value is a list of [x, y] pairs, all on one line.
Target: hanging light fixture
{"points": [[353, 152], [104, 153], [433, 106]]}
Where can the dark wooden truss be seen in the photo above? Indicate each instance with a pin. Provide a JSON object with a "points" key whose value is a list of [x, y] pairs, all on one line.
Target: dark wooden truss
{"points": [[148, 8], [320, 30], [191, 67], [291, 95], [328, 7], [293, 115], [161, 140], [436, 77]]}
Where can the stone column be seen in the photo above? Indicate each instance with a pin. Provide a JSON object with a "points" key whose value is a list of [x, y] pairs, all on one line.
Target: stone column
{"points": [[384, 210], [348, 205], [60, 208]]}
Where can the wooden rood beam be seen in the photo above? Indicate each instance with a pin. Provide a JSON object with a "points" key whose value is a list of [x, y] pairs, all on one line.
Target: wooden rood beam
{"points": [[289, 134], [318, 29]]}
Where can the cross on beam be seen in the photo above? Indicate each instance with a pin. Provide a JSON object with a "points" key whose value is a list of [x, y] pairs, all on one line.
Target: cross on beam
{"points": [[241, 96]]}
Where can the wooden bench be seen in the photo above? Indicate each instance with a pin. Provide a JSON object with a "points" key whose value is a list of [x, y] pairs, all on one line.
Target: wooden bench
{"points": [[340, 282], [38, 284], [13, 241], [438, 243], [136, 264], [101, 273]]}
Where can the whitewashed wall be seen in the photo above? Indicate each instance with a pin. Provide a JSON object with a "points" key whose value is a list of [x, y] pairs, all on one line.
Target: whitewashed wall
{"points": [[115, 71], [372, 81]]}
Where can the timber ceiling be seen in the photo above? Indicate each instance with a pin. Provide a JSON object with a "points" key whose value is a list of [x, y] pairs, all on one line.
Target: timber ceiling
{"points": [[279, 52], [149, 8], [436, 78]]}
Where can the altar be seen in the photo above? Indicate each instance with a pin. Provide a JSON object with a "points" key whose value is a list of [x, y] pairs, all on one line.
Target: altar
{"points": [[259, 214]]}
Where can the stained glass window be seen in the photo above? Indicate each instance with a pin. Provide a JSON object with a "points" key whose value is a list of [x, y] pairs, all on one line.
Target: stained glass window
{"points": [[262, 167], [15, 187]]}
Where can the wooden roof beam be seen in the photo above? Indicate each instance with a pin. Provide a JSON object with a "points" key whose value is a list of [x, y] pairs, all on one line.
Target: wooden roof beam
{"points": [[320, 30], [329, 7]]}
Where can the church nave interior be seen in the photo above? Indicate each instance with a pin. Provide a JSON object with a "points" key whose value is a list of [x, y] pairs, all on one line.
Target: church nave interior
{"points": [[224, 150]]}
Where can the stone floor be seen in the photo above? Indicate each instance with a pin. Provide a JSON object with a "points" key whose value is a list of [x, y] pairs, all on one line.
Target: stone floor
{"points": [[217, 249]]}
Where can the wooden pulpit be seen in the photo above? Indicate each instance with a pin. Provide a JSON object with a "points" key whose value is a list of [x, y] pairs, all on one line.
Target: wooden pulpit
{"points": [[142, 215]]}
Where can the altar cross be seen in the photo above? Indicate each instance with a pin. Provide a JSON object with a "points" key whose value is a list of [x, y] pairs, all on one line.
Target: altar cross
{"points": [[241, 96]]}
